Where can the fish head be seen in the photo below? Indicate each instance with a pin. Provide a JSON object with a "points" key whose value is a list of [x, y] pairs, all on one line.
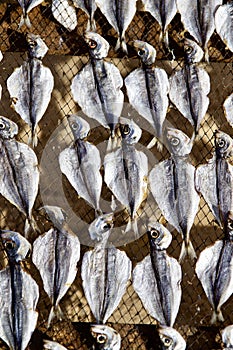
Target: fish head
{"points": [[15, 245], [56, 214], [106, 338], [8, 129], [178, 143], [36, 46], [227, 337], [98, 46], [79, 126], [171, 339], [159, 236], [130, 131], [223, 144], [192, 51], [145, 51], [100, 228]]}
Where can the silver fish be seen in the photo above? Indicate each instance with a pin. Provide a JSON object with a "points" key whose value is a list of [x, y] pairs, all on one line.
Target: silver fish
{"points": [[214, 269], [172, 185], [104, 280], [156, 279], [228, 109], [1, 57], [171, 339], [30, 85], [64, 12], [81, 163], [147, 89], [190, 86], [163, 11], [56, 254], [223, 23], [214, 180], [89, 7], [227, 337], [126, 170], [97, 87], [27, 6], [52, 345], [19, 174], [197, 17], [119, 14], [19, 294], [106, 338]]}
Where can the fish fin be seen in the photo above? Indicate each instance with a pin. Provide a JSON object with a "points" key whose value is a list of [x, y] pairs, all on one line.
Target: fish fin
{"points": [[25, 20], [153, 142], [187, 249]]}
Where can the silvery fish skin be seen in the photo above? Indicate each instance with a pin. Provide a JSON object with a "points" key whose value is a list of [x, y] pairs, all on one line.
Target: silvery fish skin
{"points": [[119, 14], [147, 89], [227, 337], [81, 163], [97, 87], [27, 6], [171, 339], [126, 170], [156, 279], [52, 345], [104, 280], [214, 180], [19, 174], [1, 57], [64, 12], [89, 7], [106, 338], [228, 109], [223, 23], [214, 269], [190, 86], [19, 294], [30, 86], [56, 254], [172, 185], [198, 19], [163, 11]]}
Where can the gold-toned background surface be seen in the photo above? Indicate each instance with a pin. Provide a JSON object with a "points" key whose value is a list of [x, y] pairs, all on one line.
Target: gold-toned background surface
{"points": [[66, 56]]}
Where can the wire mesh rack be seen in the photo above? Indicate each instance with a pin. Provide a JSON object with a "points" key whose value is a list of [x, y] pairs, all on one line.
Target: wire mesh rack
{"points": [[66, 56]]}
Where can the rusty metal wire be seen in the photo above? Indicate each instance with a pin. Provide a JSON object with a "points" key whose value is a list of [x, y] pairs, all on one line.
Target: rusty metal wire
{"points": [[67, 54]]}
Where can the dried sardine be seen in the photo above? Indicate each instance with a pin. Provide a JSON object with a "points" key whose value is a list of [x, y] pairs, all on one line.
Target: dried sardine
{"points": [[30, 86], [119, 14], [214, 269], [89, 7], [106, 338], [190, 86], [156, 279], [64, 12], [224, 24], [81, 163], [19, 294], [97, 87], [55, 254], [27, 6], [104, 279], [126, 170], [172, 185], [147, 89], [19, 174], [227, 337]]}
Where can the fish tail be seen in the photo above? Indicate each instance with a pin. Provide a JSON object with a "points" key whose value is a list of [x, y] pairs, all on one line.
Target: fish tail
{"points": [[113, 203], [25, 20], [55, 311], [30, 225], [91, 25], [155, 141], [187, 249], [217, 316], [51, 316], [132, 224], [98, 212], [206, 55], [113, 142], [33, 139], [121, 43]]}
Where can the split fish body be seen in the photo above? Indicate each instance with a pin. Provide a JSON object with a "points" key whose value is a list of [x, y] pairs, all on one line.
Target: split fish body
{"points": [[97, 87], [223, 22], [27, 6], [147, 89], [156, 279], [89, 7]]}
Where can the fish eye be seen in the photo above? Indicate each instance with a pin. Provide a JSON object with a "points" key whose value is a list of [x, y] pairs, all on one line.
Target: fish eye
{"points": [[106, 226], [174, 141], [188, 49], [9, 245], [74, 126], [221, 143], [141, 52], [167, 341], [154, 234], [92, 44], [126, 129], [101, 338], [2, 125]]}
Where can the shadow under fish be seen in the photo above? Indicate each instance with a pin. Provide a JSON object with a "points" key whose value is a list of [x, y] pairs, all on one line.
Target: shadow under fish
{"points": [[19, 294], [103, 278], [214, 269]]}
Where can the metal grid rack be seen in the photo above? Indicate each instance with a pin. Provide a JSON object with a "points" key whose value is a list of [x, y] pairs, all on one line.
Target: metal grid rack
{"points": [[67, 54]]}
